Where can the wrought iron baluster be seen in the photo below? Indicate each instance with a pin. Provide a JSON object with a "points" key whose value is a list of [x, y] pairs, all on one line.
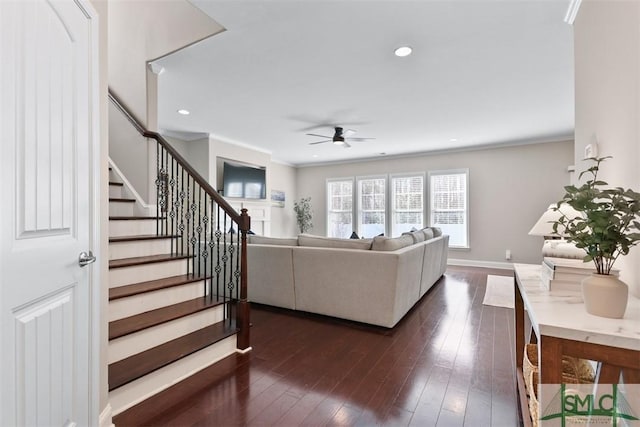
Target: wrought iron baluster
{"points": [[192, 239], [205, 243], [158, 147], [172, 210], [218, 266]]}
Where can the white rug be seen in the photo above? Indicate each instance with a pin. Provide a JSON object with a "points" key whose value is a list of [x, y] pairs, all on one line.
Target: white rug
{"points": [[499, 291]]}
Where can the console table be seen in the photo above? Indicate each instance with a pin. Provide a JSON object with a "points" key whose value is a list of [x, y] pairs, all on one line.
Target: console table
{"points": [[562, 326]]}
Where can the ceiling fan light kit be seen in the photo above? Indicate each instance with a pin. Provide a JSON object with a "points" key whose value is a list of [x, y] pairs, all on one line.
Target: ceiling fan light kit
{"points": [[340, 137]]}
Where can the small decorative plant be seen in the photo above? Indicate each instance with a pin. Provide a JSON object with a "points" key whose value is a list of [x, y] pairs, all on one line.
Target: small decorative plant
{"points": [[303, 214], [608, 226]]}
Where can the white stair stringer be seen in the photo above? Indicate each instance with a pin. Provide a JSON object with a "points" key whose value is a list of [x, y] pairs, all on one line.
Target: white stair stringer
{"points": [[128, 395], [146, 272], [135, 227], [147, 301], [137, 342], [137, 248]]}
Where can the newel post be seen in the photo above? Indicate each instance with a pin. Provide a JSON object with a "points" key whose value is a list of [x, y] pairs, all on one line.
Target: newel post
{"points": [[243, 320]]}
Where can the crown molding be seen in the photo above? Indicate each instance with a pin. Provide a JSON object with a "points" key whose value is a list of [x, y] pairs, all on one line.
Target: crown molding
{"points": [[572, 11]]}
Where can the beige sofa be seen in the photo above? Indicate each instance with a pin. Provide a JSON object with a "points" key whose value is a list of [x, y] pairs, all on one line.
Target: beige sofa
{"points": [[374, 281]]}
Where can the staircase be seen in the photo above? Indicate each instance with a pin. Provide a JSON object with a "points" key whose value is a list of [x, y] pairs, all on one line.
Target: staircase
{"points": [[177, 280], [162, 325]]}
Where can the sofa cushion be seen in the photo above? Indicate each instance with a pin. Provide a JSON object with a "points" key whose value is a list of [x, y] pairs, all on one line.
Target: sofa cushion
{"points": [[264, 240], [437, 231], [417, 236], [381, 243], [428, 233], [329, 242]]}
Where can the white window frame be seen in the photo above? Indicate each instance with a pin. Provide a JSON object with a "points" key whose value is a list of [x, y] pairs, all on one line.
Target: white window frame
{"points": [[328, 201], [464, 171], [392, 199], [358, 204]]}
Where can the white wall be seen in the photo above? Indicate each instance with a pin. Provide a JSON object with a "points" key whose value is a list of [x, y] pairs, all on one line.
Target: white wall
{"points": [[141, 31], [509, 189], [195, 152], [283, 220], [607, 68]]}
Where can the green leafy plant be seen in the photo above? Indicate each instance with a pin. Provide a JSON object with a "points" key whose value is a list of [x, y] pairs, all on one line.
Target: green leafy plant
{"points": [[608, 226], [303, 214]]}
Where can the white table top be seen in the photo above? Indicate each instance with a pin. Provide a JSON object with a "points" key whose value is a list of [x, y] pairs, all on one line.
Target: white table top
{"points": [[562, 314]]}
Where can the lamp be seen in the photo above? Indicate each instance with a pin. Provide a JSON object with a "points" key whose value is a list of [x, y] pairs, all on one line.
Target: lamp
{"points": [[558, 247]]}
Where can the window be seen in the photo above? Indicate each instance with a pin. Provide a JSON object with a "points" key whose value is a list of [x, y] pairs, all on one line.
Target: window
{"points": [[340, 208], [448, 203], [407, 207], [371, 206]]}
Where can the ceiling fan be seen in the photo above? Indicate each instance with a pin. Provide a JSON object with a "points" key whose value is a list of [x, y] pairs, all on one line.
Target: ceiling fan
{"points": [[340, 137]]}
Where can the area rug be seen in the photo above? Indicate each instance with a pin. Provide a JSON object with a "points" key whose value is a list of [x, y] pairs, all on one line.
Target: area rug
{"points": [[499, 291]]}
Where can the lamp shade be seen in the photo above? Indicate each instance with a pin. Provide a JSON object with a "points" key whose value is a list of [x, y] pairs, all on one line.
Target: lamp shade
{"points": [[544, 226]]}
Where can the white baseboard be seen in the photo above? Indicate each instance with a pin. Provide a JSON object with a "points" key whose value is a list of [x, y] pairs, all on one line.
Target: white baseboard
{"points": [[105, 417], [246, 350], [485, 264]]}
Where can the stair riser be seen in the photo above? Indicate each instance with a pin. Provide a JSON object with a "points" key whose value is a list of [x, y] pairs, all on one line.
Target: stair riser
{"points": [[137, 342], [136, 248], [135, 304], [115, 191], [136, 391], [120, 208], [143, 273], [118, 228]]}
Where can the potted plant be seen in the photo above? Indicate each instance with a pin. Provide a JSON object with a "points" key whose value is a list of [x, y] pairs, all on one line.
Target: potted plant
{"points": [[303, 214], [606, 229]]}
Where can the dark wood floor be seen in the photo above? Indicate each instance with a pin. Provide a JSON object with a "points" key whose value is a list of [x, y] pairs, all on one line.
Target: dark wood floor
{"points": [[448, 363]]}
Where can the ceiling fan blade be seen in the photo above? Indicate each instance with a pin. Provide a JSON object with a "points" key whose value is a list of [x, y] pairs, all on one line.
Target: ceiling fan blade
{"points": [[320, 142], [348, 132], [359, 139], [315, 134], [346, 145]]}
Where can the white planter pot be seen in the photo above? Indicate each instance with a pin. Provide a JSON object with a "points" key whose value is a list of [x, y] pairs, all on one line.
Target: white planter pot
{"points": [[605, 295]]}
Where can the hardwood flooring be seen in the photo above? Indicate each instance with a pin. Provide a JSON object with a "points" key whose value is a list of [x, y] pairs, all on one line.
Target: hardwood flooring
{"points": [[448, 363]]}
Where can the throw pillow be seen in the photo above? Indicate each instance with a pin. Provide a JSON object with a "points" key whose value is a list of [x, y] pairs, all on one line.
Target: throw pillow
{"points": [[428, 233], [381, 243]]}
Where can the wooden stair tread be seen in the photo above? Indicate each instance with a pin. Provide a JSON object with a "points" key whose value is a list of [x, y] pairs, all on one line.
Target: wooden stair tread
{"points": [[121, 200], [138, 365], [138, 322], [151, 285], [142, 237], [117, 184], [140, 260]]}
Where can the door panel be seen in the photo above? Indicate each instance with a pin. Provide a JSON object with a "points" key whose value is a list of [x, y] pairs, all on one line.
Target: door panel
{"points": [[46, 110]]}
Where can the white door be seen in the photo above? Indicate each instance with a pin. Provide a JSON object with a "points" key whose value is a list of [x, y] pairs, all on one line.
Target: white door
{"points": [[47, 142]]}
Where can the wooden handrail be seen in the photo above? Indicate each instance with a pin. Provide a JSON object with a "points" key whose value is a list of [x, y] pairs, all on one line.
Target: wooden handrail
{"points": [[243, 222], [235, 216]]}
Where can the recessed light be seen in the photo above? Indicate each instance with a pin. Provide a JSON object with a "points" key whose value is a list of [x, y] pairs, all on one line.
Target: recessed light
{"points": [[184, 112], [315, 156], [453, 140], [403, 51]]}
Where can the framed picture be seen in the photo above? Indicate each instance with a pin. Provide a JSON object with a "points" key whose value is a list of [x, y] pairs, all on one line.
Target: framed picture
{"points": [[277, 198]]}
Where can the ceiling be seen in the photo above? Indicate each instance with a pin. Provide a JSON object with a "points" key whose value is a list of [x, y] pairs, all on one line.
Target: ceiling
{"points": [[482, 73]]}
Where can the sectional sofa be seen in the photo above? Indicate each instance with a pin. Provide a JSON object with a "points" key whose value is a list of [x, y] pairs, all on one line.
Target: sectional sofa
{"points": [[374, 281]]}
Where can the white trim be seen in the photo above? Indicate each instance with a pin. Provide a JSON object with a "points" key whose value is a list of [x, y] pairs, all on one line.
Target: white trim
{"points": [[125, 181], [357, 202], [428, 203], [572, 11], [106, 417], [245, 351], [484, 264], [328, 202]]}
